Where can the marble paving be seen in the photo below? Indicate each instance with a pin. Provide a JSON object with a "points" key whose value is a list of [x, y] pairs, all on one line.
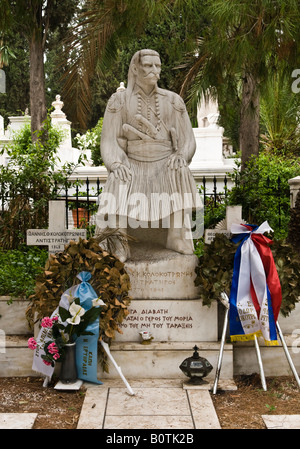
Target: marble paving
{"points": [[17, 420], [282, 421], [156, 404]]}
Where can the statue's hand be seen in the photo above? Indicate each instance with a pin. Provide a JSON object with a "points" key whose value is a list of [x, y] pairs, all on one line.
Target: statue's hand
{"points": [[121, 172], [176, 161]]}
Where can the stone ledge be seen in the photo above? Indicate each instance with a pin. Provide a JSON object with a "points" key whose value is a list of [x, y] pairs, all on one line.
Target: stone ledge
{"points": [[169, 346], [13, 316], [162, 359]]}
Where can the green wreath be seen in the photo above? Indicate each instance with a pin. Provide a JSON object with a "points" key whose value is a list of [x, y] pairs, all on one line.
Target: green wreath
{"points": [[215, 268], [109, 279]]}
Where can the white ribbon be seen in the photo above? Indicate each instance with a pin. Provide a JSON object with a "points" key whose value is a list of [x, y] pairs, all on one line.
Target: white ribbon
{"points": [[251, 268], [45, 334]]}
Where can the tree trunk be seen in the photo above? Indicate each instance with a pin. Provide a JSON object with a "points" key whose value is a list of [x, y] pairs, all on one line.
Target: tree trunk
{"points": [[249, 124], [38, 109]]}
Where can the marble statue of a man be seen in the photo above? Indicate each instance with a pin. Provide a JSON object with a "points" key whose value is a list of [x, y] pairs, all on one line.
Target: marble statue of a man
{"points": [[147, 142]]}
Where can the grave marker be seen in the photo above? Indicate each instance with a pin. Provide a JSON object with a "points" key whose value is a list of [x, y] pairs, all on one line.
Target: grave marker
{"points": [[56, 236], [233, 215]]}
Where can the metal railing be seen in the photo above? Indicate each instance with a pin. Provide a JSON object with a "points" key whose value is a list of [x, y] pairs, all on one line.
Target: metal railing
{"points": [[214, 191]]}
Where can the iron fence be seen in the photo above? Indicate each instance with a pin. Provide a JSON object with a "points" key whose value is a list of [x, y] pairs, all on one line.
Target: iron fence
{"points": [[215, 191]]}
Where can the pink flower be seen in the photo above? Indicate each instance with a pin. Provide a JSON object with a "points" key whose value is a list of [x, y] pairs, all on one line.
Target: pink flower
{"points": [[32, 344], [52, 348], [47, 322], [46, 362], [55, 318], [56, 356]]}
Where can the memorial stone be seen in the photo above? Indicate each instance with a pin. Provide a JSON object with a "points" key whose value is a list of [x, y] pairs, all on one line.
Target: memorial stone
{"points": [[56, 236], [233, 215], [147, 144]]}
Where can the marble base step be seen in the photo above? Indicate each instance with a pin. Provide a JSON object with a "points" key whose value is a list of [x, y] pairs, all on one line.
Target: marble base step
{"points": [[274, 359], [162, 359], [157, 360]]}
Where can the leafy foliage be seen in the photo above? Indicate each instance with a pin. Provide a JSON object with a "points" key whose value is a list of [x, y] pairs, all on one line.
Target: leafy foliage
{"points": [[28, 182], [91, 141], [294, 231], [279, 115], [18, 270], [215, 269], [109, 279], [263, 187]]}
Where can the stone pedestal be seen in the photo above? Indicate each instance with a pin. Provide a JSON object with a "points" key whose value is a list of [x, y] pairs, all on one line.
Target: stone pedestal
{"points": [[157, 273], [166, 303]]}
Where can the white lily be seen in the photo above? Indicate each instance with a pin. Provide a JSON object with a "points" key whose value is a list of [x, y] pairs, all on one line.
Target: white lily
{"points": [[98, 302], [74, 320], [76, 311]]}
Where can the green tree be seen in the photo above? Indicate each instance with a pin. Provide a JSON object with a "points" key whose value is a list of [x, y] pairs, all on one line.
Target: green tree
{"points": [[279, 115], [263, 190], [16, 100], [27, 183], [243, 45], [35, 19], [109, 31]]}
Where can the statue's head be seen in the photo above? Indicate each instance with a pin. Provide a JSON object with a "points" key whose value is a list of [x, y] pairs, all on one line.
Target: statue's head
{"points": [[145, 66]]}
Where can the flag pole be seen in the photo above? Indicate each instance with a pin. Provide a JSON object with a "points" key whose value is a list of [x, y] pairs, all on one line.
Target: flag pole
{"points": [[261, 368], [225, 302], [107, 350], [287, 354]]}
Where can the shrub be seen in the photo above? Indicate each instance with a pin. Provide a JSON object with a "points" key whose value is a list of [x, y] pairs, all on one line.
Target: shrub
{"points": [[263, 191], [28, 182], [18, 270], [215, 269]]}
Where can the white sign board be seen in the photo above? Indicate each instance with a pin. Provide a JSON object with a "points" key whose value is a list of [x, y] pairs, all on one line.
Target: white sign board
{"points": [[56, 237]]}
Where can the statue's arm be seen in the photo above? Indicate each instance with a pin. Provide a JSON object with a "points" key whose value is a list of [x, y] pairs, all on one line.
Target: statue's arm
{"points": [[185, 143], [113, 145]]}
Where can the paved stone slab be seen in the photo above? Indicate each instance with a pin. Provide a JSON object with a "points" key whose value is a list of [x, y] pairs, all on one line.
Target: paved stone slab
{"points": [[203, 411], [17, 420], [225, 385], [157, 404], [93, 409], [282, 421], [149, 422], [150, 401]]}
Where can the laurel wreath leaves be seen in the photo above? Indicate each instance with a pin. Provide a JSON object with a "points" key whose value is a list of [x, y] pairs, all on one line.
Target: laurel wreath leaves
{"points": [[109, 279], [215, 268]]}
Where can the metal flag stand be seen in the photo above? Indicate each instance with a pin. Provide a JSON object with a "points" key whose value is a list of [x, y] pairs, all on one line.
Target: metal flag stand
{"points": [[287, 354], [118, 368], [225, 302]]}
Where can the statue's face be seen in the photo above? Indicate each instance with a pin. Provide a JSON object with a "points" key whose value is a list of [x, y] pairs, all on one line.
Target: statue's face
{"points": [[148, 71]]}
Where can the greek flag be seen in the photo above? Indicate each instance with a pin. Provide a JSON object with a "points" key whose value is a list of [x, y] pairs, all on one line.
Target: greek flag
{"points": [[255, 296]]}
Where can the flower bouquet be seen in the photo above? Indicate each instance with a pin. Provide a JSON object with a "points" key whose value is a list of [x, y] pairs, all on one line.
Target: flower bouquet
{"points": [[66, 327]]}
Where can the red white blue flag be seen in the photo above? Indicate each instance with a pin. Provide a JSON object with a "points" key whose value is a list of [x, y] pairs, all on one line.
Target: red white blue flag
{"points": [[255, 296]]}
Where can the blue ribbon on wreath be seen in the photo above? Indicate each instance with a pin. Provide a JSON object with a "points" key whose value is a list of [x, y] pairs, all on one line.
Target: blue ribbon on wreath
{"points": [[87, 345]]}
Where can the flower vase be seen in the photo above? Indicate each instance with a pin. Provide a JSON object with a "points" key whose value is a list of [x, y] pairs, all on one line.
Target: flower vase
{"points": [[80, 217], [68, 372]]}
